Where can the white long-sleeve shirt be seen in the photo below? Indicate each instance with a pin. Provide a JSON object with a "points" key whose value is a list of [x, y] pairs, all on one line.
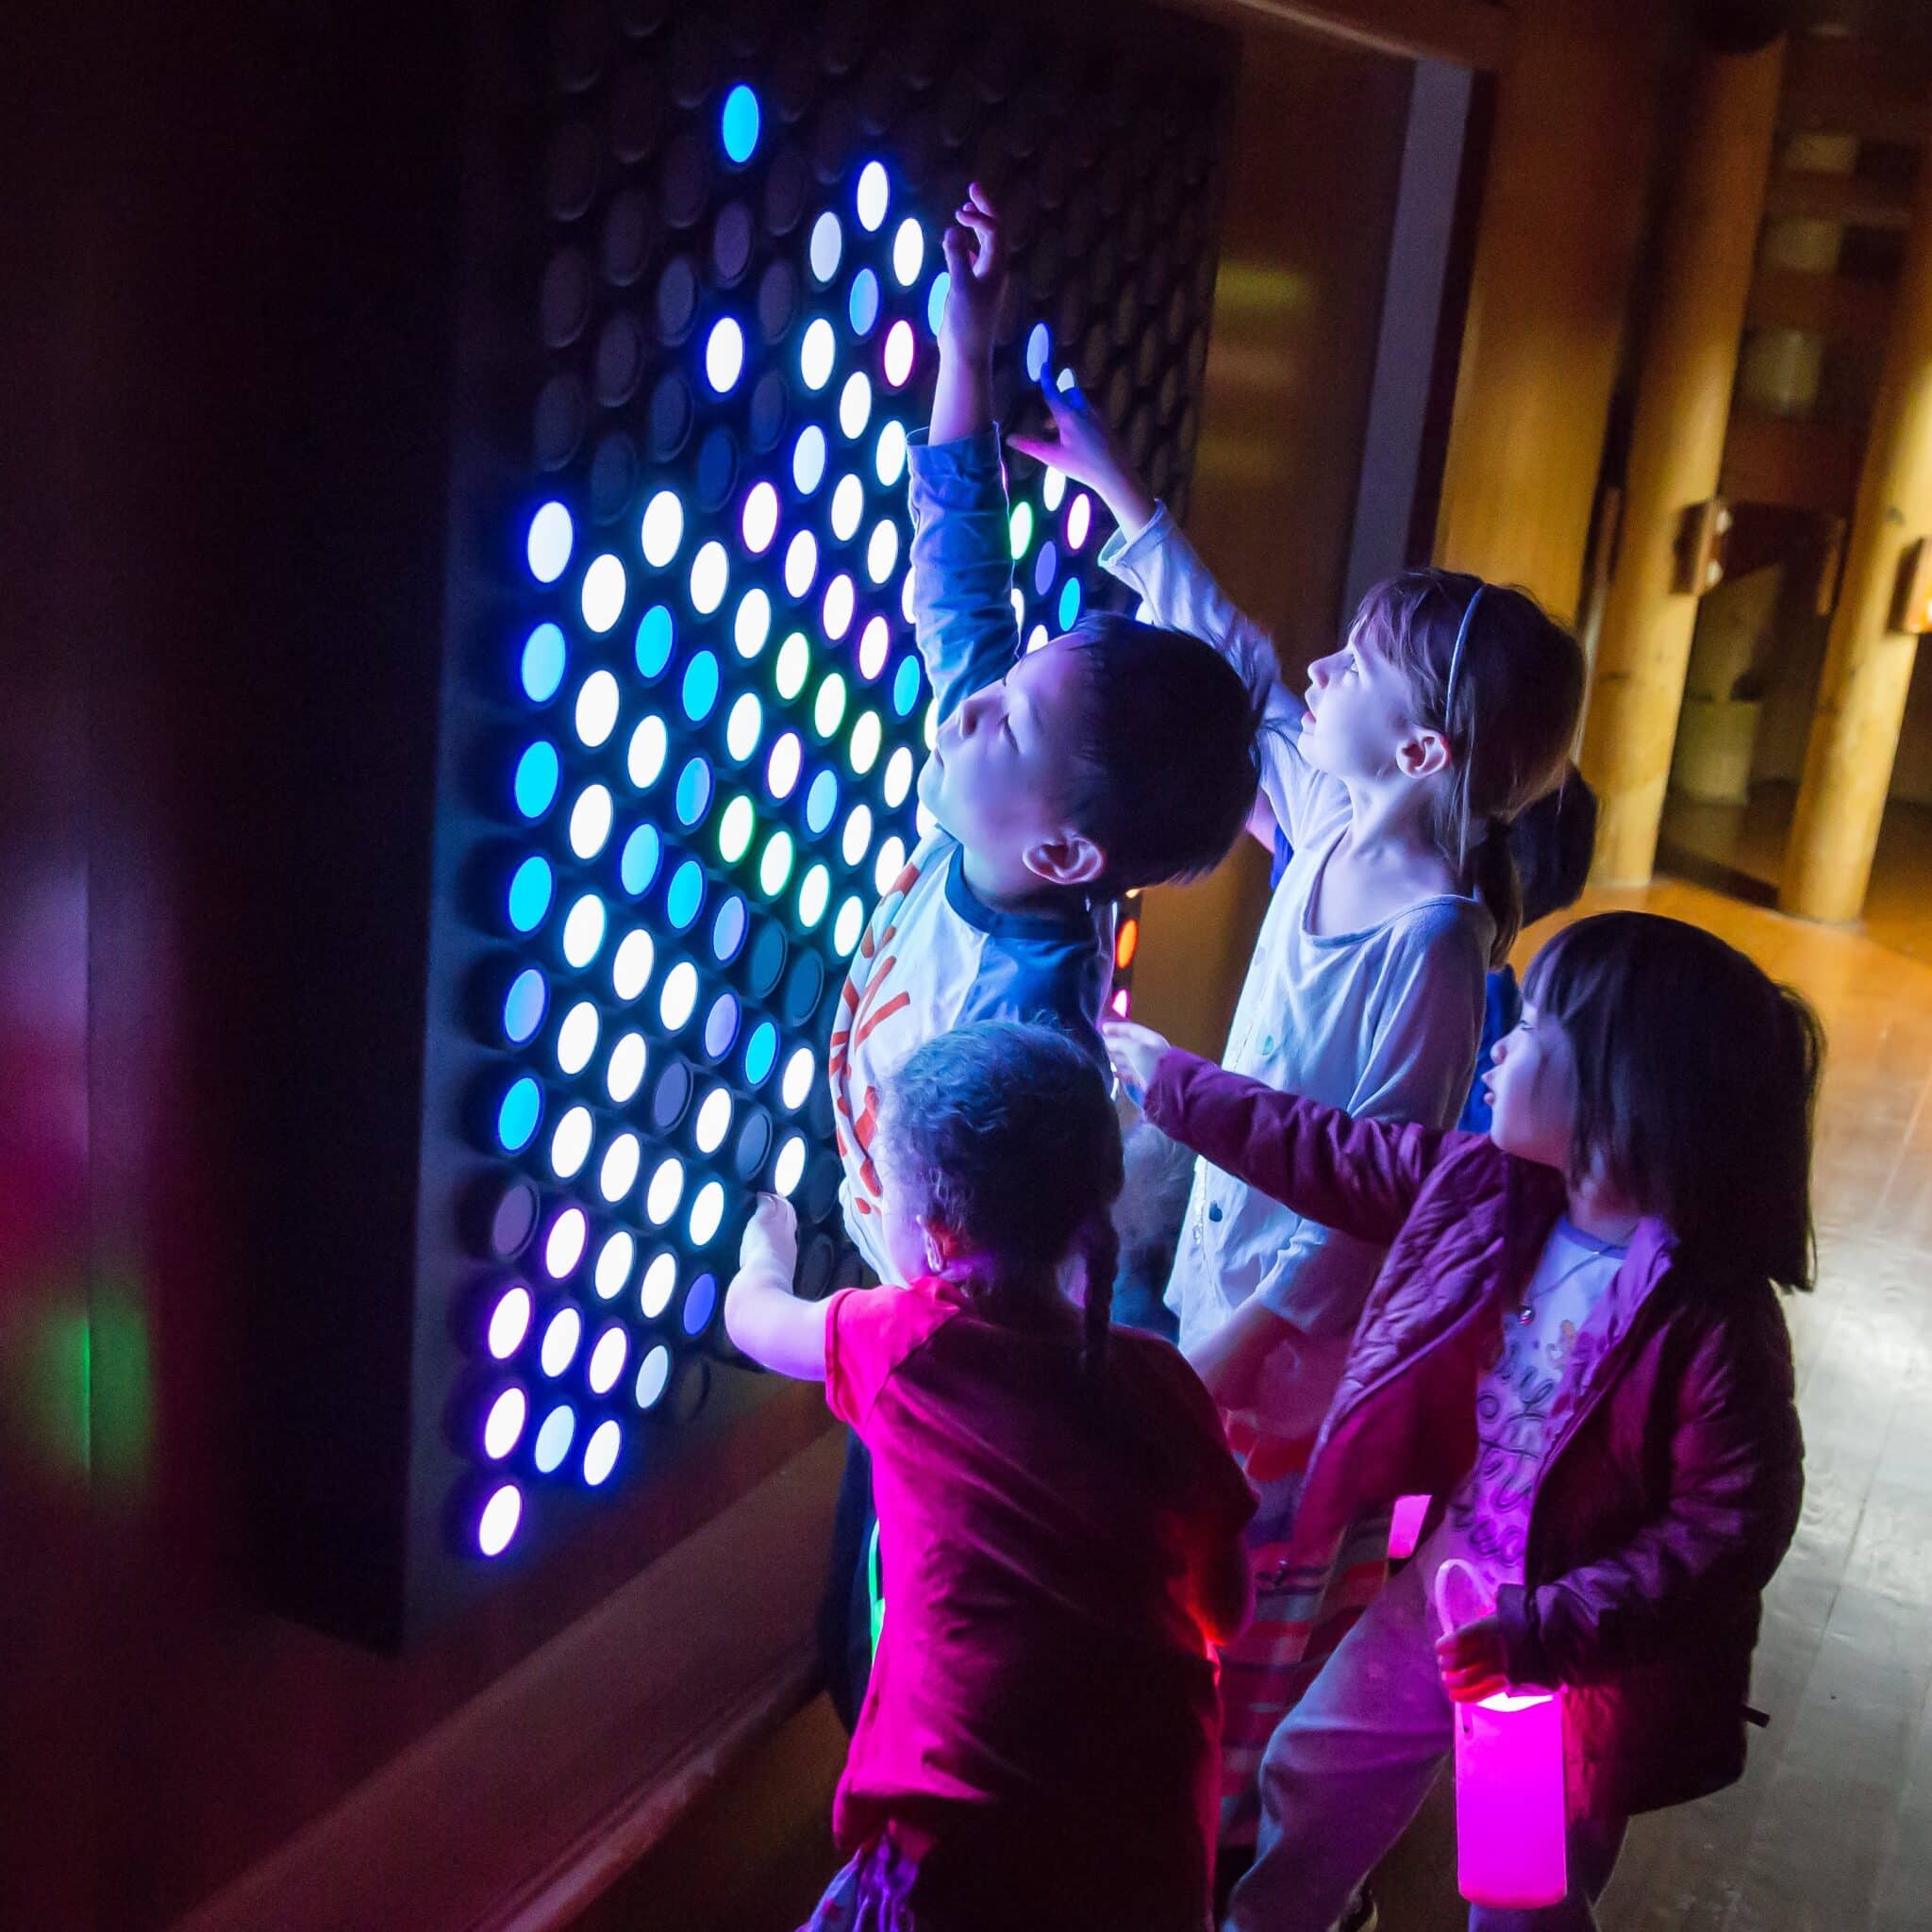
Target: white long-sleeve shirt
{"points": [[1383, 1022]]}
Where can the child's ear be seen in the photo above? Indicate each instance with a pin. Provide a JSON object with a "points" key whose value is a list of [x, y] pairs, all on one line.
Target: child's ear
{"points": [[1066, 860], [1423, 754]]}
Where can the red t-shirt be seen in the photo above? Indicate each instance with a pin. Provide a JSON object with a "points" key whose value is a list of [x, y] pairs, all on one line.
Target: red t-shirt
{"points": [[1042, 1691]]}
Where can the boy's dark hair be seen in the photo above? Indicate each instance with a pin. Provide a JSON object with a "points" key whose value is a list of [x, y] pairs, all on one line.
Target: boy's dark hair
{"points": [[1696, 1085], [1004, 1134], [1170, 763], [1553, 840]]}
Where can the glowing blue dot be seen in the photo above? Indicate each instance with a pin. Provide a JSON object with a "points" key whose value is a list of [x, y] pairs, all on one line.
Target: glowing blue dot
{"points": [[724, 355], [1045, 568], [517, 1116], [531, 887], [721, 1026], [828, 245], [875, 192], [808, 459], [655, 638], [537, 772], [686, 896], [863, 304], [543, 663], [693, 791], [700, 1304], [638, 867], [553, 1437], [729, 929], [1070, 603], [524, 1005], [1039, 347], [905, 687], [739, 126], [760, 1054], [820, 803], [700, 687], [549, 545], [935, 301]]}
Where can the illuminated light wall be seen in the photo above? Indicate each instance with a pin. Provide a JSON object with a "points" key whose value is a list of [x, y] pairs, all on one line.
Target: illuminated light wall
{"points": [[683, 708]]}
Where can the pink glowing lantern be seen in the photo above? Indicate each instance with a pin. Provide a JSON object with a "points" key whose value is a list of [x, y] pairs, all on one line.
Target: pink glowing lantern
{"points": [[1406, 1526], [1511, 1819]]}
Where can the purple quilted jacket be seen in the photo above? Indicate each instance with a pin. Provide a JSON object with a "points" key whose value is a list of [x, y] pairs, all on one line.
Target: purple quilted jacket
{"points": [[1670, 1487]]}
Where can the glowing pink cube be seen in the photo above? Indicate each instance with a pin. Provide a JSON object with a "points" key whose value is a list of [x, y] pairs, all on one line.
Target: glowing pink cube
{"points": [[1509, 1812]]}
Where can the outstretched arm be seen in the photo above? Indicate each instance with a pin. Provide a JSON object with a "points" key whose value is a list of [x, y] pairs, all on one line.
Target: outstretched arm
{"points": [[763, 1318]]}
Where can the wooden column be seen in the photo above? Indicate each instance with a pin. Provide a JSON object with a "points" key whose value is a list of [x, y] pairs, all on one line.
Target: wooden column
{"points": [[1868, 664], [1677, 441]]}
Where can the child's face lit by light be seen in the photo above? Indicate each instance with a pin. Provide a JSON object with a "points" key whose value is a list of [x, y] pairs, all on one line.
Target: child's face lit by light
{"points": [[1531, 1085], [1359, 713]]}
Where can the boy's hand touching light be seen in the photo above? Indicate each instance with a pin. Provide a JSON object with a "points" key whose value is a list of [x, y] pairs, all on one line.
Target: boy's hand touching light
{"points": [[975, 246], [1081, 445], [1135, 1051]]}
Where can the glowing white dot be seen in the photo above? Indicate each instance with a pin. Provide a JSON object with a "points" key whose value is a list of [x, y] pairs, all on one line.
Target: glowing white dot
{"points": [[614, 1264], [816, 353], [898, 779], [630, 971], [889, 460], [848, 506], [814, 894], [906, 597], [549, 546], [794, 666], [909, 253], [653, 1372], [577, 1039], [855, 406], [882, 551], [589, 821], [808, 459], [665, 1192], [706, 1213], [828, 245], [1053, 489], [801, 563], [607, 1362], [899, 352], [794, 1087], [560, 1340], [713, 1122], [570, 1144], [781, 769], [510, 1322], [889, 863], [873, 648], [875, 192], [932, 724], [596, 708], [828, 707], [565, 1248], [499, 1520], [710, 573], [663, 529], [838, 607], [618, 1174], [649, 746], [775, 864], [504, 1423], [583, 931], [1019, 605], [658, 1285], [724, 355], [742, 728], [759, 522], [625, 1072], [848, 927], [855, 841], [603, 594], [680, 995], [789, 1169], [600, 1451], [868, 735], [753, 624], [1037, 638]]}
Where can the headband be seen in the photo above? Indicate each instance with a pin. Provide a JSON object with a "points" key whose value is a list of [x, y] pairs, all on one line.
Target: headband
{"points": [[1455, 656]]}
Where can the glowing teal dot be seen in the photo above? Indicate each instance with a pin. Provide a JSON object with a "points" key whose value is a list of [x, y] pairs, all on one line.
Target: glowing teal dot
{"points": [[642, 852], [686, 896], [655, 637], [820, 803], [536, 781], [935, 301], [693, 791], [524, 1005], [905, 687], [862, 306], [517, 1115], [739, 126], [1070, 603], [531, 887], [700, 687], [760, 1054], [543, 663]]}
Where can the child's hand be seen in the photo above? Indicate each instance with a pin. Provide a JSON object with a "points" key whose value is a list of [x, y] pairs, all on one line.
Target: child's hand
{"points": [[1083, 447], [770, 1247], [976, 250], [1472, 1662], [1135, 1051]]}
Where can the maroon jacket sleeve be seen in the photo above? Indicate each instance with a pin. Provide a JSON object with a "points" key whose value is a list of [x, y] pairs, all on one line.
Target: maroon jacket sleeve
{"points": [[1360, 1176], [1737, 1481]]}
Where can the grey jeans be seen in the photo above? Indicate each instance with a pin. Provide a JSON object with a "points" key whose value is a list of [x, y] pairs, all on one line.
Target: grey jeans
{"points": [[1350, 1765]]}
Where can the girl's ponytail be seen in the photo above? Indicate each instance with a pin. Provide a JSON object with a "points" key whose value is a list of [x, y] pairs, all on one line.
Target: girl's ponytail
{"points": [[1100, 1251], [1494, 878]]}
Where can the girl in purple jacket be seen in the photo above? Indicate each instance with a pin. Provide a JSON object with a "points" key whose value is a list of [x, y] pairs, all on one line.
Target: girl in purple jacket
{"points": [[1576, 1347]]}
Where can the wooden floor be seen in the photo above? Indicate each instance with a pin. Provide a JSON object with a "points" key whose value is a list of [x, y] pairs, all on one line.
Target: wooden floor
{"points": [[1831, 1829]]}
